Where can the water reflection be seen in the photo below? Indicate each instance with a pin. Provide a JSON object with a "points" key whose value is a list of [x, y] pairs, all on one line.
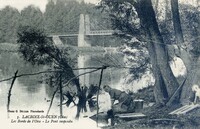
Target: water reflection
{"points": [[29, 93], [27, 90]]}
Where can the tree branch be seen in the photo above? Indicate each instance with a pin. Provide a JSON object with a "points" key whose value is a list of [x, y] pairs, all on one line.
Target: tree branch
{"points": [[104, 67], [51, 102], [9, 92], [48, 71]]}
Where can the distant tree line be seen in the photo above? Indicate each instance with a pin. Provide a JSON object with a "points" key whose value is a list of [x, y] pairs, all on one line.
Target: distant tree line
{"points": [[61, 16]]}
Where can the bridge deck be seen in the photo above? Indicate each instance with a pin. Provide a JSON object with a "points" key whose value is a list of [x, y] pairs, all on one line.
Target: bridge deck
{"points": [[90, 33], [65, 35], [101, 32]]}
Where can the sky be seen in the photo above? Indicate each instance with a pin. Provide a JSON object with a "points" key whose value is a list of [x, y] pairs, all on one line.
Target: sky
{"points": [[20, 4]]}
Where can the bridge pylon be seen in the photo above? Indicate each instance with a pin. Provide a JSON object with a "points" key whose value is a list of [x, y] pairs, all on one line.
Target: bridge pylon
{"points": [[83, 58]]}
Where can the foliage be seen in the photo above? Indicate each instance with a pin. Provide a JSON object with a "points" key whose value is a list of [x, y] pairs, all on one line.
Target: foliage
{"points": [[136, 56], [10, 18], [60, 17], [34, 45], [145, 94], [123, 15], [124, 18], [32, 16], [36, 48], [191, 27], [63, 16]]}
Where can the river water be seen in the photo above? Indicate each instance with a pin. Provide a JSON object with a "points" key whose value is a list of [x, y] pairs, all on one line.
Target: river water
{"points": [[28, 95]]}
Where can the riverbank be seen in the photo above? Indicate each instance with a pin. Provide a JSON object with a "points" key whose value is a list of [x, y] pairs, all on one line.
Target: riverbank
{"points": [[159, 118]]}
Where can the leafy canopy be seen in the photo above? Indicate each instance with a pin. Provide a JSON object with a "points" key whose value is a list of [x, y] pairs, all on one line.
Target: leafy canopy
{"points": [[34, 45]]}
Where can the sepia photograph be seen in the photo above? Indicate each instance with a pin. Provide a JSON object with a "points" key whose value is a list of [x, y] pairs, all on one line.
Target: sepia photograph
{"points": [[100, 64]]}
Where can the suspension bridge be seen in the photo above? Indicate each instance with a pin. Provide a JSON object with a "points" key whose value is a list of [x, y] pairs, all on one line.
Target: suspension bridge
{"points": [[87, 52], [85, 49]]}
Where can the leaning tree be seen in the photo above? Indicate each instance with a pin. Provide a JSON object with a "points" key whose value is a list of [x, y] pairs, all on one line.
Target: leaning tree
{"points": [[37, 49], [187, 49]]}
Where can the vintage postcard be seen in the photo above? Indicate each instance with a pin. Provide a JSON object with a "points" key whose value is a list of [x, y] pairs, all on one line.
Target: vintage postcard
{"points": [[99, 64]]}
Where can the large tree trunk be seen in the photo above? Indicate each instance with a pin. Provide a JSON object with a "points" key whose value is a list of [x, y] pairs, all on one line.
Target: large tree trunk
{"points": [[186, 93], [160, 91], [190, 60], [177, 22], [179, 40], [147, 18]]}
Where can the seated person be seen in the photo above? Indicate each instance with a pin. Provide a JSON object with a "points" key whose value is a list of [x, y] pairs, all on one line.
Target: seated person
{"points": [[196, 93], [125, 100]]}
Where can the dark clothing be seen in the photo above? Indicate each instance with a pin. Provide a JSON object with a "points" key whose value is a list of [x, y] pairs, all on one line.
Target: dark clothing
{"points": [[92, 104], [111, 115], [125, 100]]}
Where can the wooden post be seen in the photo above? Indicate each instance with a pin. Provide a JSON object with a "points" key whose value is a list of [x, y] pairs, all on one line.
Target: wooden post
{"points": [[51, 102], [61, 95], [9, 92], [98, 94], [175, 94]]}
